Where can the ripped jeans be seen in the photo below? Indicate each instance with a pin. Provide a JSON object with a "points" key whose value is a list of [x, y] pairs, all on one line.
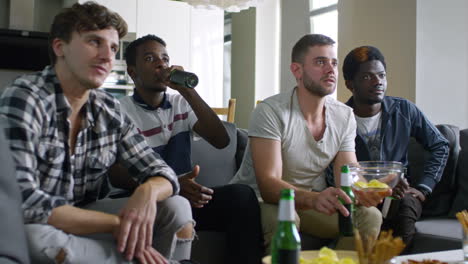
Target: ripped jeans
{"points": [[45, 241]]}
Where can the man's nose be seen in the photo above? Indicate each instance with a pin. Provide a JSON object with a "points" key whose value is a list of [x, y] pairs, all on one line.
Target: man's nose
{"points": [[160, 63], [376, 80], [107, 53]]}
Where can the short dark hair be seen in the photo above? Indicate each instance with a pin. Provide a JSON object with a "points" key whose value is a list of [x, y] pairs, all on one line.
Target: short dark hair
{"points": [[89, 16], [358, 56], [130, 51], [302, 46]]}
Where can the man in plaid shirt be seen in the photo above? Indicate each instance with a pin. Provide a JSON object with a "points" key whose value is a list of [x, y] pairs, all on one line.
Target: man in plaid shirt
{"points": [[64, 135]]}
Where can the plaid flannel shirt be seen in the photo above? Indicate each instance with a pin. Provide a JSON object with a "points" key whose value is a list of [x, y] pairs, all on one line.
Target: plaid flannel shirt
{"points": [[34, 113]]}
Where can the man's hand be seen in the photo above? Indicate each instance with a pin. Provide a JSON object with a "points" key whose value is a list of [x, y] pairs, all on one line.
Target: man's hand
{"points": [[416, 193], [197, 194], [371, 198], [401, 188], [327, 201], [172, 85], [150, 256], [135, 233]]}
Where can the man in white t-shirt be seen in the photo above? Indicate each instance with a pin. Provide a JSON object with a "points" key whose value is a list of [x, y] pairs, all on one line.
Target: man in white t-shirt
{"points": [[294, 136]]}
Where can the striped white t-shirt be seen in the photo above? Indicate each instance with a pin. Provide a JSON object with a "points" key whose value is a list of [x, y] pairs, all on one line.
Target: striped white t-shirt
{"points": [[167, 128]]}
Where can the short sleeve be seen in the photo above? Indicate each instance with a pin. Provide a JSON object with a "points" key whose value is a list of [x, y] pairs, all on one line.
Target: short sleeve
{"points": [[349, 134], [265, 122]]}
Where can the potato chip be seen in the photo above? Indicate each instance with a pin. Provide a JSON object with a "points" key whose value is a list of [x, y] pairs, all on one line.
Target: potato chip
{"points": [[376, 184]]}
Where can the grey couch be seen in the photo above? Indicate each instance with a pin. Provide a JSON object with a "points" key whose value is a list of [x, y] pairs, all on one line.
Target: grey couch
{"points": [[437, 230], [217, 167]]}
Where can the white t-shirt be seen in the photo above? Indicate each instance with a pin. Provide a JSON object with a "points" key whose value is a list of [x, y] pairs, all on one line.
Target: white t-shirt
{"points": [[369, 129], [304, 159]]}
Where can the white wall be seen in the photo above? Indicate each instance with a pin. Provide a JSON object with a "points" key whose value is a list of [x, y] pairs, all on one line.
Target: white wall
{"points": [[295, 23], [267, 59], [391, 27], [442, 61], [206, 53], [194, 40], [243, 63]]}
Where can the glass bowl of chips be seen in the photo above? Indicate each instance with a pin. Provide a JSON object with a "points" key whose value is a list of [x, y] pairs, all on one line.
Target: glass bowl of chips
{"points": [[377, 176]]}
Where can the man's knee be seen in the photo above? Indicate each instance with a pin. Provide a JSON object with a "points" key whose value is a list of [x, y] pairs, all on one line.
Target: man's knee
{"points": [[369, 220], [46, 244], [175, 210]]}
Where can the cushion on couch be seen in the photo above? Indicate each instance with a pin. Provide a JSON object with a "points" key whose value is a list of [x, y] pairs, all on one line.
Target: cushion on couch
{"points": [[439, 202], [217, 166], [461, 197]]}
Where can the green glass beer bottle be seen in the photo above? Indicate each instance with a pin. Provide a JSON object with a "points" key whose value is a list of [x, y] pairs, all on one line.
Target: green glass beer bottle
{"points": [[346, 222], [286, 243]]}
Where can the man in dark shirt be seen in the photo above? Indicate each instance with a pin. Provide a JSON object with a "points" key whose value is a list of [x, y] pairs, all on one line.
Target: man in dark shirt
{"points": [[385, 125]]}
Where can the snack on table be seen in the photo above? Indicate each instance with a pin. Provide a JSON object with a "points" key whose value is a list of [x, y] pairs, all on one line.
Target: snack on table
{"points": [[372, 184], [424, 261], [463, 219], [327, 256], [380, 251]]}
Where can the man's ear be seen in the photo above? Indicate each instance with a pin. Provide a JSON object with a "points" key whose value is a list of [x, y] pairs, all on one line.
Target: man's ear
{"points": [[349, 85], [296, 70], [57, 47], [131, 71]]}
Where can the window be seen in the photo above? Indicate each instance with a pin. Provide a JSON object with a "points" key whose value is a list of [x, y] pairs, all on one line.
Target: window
{"points": [[324, 20]]}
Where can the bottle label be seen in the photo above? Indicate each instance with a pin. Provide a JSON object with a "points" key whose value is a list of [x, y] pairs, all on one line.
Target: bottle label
{"points": [[288, 256]]}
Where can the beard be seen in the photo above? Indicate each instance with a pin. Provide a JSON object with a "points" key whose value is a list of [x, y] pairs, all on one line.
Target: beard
{"points": [[316, 88], [372, 101]]}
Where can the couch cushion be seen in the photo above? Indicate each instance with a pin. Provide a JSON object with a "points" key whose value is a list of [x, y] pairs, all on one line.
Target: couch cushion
{"points": [[441, 227], [217, 166], [461, 197], [242, 139], [439, 202]]}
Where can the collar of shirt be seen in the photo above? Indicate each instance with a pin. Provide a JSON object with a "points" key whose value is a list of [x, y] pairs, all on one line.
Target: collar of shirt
{"points": [[165, 104]]}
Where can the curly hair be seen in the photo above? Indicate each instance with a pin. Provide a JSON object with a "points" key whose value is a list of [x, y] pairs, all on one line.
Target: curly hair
{"points": [[302, 45], [358, 56], [130, 51], [89, 16]]}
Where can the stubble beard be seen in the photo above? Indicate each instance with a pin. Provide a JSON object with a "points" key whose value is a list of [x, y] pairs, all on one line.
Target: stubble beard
{"points": [[316, 88]]}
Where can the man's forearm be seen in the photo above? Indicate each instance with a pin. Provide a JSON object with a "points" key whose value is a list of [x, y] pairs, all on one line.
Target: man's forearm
{"points": [[77, 221], [159, 186], [208, 125], [270, 191]]}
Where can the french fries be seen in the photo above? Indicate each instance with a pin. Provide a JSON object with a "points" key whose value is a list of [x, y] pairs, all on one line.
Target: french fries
{"points": [[463, 219], [378, 251]]}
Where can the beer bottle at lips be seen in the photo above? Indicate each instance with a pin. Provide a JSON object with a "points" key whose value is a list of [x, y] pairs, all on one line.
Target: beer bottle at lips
{"points": [[346, 222], [187, 79], [286, 243]]}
